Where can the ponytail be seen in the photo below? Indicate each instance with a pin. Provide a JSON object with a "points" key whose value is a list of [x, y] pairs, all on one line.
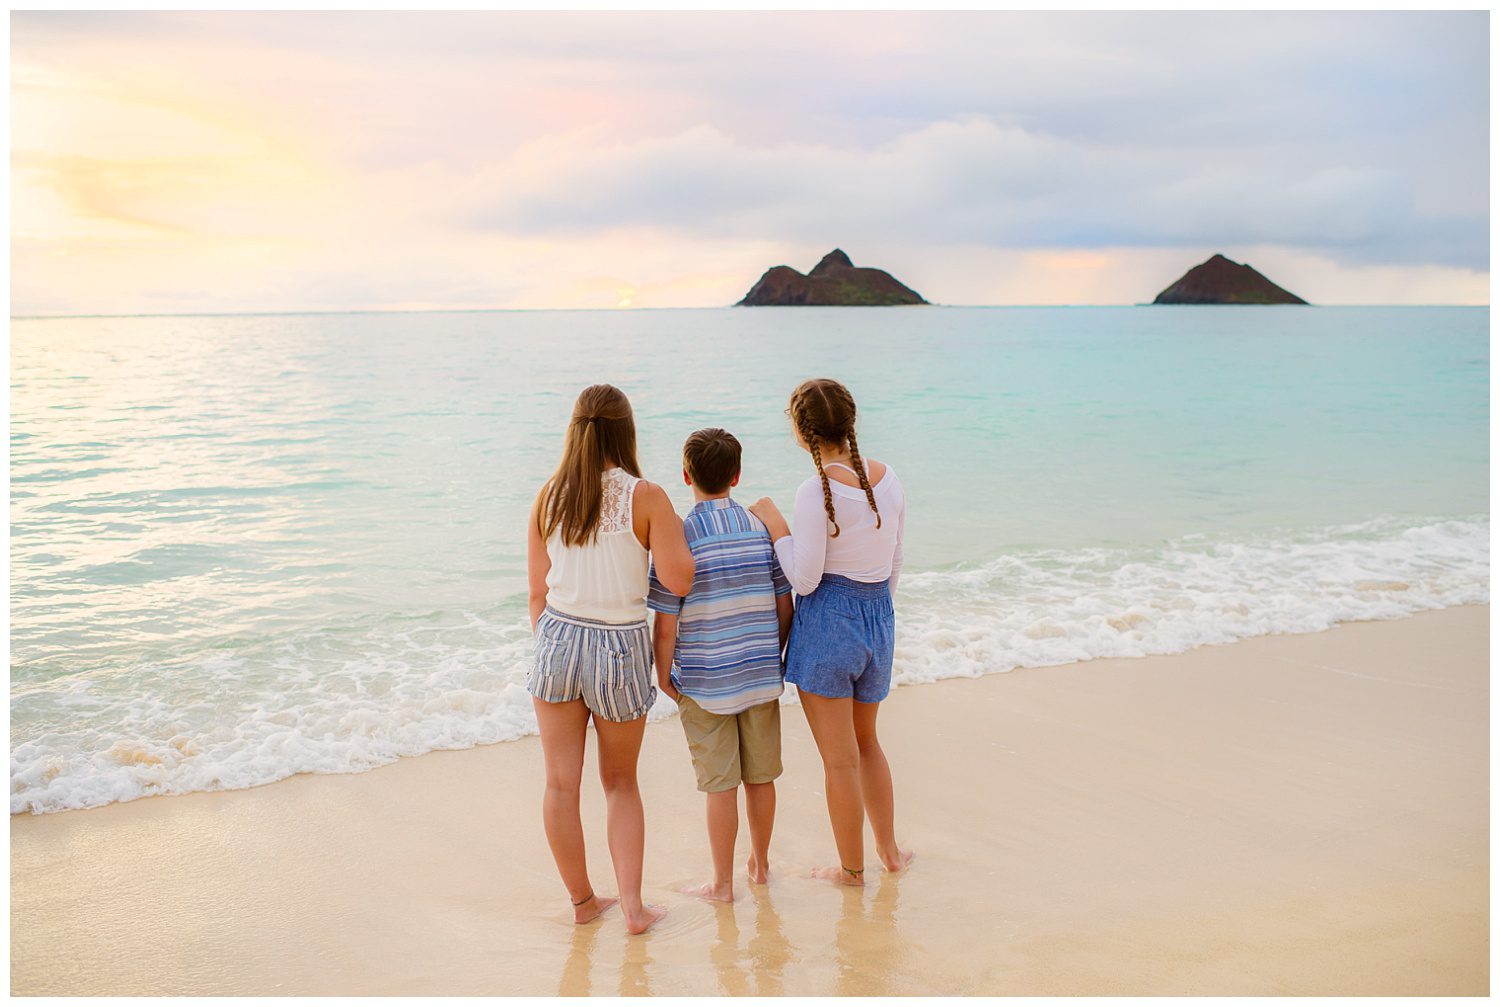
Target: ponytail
{"points": [[602, 429]]}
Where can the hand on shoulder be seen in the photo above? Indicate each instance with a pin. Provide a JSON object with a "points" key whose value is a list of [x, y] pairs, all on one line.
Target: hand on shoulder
{"points": [[768, 514], [763, 508]]}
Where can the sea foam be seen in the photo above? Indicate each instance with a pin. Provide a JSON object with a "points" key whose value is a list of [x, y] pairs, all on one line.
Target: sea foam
{"points": [[336, 702], [1053, 607]]}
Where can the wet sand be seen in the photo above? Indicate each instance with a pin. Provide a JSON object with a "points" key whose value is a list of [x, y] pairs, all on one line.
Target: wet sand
{"points": [[1287, 815]]}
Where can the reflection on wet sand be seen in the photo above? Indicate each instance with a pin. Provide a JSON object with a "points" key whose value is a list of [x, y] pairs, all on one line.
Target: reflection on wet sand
{"points": [[726, 952], [769, 950], [757, 967], [633, 979], [747, 947], [867, 941], [576, 980]]}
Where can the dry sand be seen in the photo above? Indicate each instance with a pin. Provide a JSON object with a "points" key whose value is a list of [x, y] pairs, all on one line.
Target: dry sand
{"points": [[1295, 814]]}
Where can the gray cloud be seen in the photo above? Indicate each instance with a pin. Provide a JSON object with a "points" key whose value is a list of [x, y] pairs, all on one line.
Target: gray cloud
{"points": [[1360, 137], [976, 182]]}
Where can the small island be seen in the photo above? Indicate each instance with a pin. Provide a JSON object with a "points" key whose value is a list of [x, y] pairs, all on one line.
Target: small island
{"points": [[835, 281], [1223, 281]]}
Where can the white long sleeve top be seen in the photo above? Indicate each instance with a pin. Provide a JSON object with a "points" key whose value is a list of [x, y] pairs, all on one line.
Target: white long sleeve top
{"points": [[861, 552]]}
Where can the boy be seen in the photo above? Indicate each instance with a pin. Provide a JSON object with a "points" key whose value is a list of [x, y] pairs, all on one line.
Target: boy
{"points": [[725, 639]]}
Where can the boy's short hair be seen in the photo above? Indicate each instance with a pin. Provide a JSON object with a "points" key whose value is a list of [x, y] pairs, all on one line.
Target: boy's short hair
{"points": [[712, 459]]}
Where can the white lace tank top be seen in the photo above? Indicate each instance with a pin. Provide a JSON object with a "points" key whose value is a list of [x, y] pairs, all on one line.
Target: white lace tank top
{"points": [[606, 579]]}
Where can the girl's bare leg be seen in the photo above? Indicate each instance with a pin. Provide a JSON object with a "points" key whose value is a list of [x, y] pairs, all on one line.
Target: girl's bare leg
{"points": [[832, 723], [562, 726], [619, 751], [875, 782]]}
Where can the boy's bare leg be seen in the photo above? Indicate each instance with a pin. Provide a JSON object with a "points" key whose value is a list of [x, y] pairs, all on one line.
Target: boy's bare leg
{"points": [[760, 810], [723, 827]]}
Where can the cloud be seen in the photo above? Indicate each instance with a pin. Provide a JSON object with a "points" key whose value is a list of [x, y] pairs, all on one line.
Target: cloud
{"points": [[474, 159], [971, 181]]}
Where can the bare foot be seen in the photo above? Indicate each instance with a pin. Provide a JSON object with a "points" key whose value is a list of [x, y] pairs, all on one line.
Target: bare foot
{"points": [[712, 891], [756, 869], [592, 909], [639, 924], [839, 876], [899, 860]]}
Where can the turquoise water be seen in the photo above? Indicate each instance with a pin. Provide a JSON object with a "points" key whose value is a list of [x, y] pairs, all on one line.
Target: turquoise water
{"points": [[248, 546]]}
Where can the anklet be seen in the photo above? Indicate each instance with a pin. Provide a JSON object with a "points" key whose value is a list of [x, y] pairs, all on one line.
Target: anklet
{"points": [[854, 872], [584, 899]]}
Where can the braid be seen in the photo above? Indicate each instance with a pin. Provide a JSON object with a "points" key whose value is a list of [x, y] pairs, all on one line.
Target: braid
{"points": [[864, 479], [823, 412], [817, 456]]}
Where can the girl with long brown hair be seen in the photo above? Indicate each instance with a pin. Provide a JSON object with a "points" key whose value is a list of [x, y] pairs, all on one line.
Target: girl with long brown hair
{"points": [[594, 530], [843, 563]]}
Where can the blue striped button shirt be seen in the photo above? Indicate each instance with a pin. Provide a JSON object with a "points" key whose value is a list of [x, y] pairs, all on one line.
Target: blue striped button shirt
{"points": [[728, 654]]}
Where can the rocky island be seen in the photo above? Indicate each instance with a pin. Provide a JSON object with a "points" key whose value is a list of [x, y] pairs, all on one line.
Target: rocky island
{"points": [[1223, 281], [833, 281]]}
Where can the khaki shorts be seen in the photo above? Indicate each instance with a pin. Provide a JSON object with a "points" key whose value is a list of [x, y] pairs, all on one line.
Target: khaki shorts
{"points": [[735, 748]]}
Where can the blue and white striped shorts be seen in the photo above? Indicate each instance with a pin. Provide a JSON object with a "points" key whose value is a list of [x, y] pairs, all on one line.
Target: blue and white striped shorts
{"points": [[607, 665]]}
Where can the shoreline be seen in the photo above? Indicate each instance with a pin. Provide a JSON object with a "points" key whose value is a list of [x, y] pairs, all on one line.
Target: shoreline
{"points": [[928, 645], [1289, 813]]}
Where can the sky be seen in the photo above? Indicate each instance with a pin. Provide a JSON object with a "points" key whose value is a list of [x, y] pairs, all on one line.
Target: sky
{"points": [[185, 162]]}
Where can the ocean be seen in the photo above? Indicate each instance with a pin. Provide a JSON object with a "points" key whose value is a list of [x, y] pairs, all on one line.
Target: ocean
{"points": [[244, 547]]}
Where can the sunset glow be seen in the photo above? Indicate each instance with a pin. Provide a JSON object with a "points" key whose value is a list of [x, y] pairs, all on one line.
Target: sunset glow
{"points": [[221, 162]]}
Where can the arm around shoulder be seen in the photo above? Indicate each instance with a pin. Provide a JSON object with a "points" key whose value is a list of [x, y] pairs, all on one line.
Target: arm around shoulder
{"points": [[665, 539], [802, 554]]}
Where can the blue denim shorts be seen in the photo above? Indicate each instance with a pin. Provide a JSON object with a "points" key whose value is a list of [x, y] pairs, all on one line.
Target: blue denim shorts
{"points": [[843, 638]]}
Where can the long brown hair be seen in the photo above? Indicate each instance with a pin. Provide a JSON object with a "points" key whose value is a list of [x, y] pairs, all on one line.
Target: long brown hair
{"points": [[822, 410], [601, 431]]}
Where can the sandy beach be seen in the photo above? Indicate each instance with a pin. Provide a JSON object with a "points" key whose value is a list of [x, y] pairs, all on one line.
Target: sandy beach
{"points": [[1285, 815]]}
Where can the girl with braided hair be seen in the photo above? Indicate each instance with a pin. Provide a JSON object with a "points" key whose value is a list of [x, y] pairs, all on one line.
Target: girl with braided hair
{"points": [[843, 563]]}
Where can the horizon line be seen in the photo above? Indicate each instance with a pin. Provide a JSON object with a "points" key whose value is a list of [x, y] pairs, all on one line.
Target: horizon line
{"points": [[707, 307]]}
